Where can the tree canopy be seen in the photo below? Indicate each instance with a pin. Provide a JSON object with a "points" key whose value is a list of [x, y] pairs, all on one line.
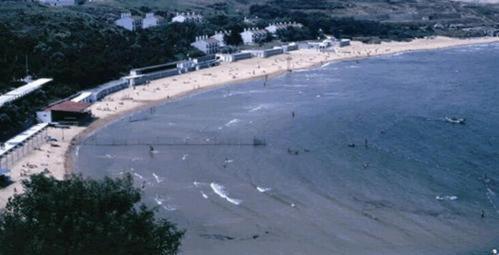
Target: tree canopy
{"points": [[83, 216]]}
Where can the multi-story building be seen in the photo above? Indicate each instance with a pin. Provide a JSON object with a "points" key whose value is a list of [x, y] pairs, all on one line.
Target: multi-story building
{"points": [[220, 36], [253, 36], [150, 20], [129, 22], [187, 17], [206, 44]]}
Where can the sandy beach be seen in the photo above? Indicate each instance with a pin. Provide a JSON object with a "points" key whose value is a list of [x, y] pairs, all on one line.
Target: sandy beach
{"points": [[55, 157]]}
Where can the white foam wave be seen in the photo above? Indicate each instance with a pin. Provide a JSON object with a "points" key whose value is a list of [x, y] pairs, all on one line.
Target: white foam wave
{"points": [[204, 195], [196, 184], [157, 178], [220, 191], [184, 157], [491, 197], [232, 122], [77, 151], [107, 156], [326, 64], [263, 190], [158, 200], [169, 208], [139, 176], [301, 70], [258, 108], [451, 198]]}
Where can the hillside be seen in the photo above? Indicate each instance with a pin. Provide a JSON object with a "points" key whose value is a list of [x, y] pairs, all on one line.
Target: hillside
{"points": [[80, 47]]}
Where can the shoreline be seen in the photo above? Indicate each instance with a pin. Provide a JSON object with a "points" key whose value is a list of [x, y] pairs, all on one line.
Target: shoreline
{"points": [[158, 92]]}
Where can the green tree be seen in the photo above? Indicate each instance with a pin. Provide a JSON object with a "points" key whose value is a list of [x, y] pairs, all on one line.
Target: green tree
{"points": [[83, 216], [233, 38]]}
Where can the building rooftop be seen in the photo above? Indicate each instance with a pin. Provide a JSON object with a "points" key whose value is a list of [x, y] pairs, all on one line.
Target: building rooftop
{"points": [[22, 91], [82, 96], [69, 106], [21, 138]]}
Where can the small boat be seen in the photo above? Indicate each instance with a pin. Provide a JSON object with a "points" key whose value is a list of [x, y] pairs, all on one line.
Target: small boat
{"points": [[455, 120]]}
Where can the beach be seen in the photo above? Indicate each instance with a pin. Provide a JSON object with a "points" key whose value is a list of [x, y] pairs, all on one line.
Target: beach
{"points": [[359, 158], [56, 157]]}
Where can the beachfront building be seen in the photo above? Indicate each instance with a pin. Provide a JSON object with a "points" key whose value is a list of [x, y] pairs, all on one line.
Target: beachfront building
{"points": [[70, 112], [290, 47], [108, 88], [234, 57], [206, 44], [22, 91], [252, 36], [187, 17], [345, 42], [151, 20], [83, 97], [22, 144], [273, 28], [267, 52], [129, 22], [57, 3], [144, 75]]}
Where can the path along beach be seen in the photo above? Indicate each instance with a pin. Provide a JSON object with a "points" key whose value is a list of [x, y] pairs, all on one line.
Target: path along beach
{"points": [[56, 157]]}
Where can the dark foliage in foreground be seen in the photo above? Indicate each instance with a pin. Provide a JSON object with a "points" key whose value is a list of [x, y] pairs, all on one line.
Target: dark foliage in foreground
{"points": [[81, 216]]}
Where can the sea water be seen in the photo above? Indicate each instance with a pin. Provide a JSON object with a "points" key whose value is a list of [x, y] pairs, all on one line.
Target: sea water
{"points": [[358, 158]]}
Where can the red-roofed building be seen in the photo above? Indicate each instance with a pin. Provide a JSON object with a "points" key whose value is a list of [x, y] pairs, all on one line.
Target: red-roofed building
{"points": [[66, 111]]}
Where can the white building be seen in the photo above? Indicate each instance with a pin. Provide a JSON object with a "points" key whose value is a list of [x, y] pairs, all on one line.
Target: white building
{"points": [[253, 36], [23, 91], [344, 42], [267, 52], [150, 20], [234, 57], [58, 2], [187, 17], [274, 27], [206, 44], [128, 22], [220, 36]]}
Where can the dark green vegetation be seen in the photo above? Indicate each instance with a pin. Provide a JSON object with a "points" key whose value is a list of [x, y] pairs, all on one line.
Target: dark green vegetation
{"points": [[80, 47], [80, 216]]}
